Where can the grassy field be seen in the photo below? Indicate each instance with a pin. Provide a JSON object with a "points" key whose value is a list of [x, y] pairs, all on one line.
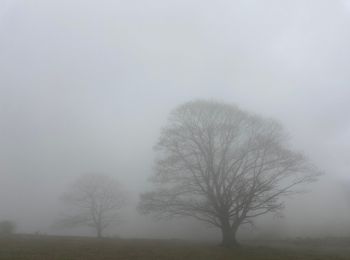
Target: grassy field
{"points": [[66, 248]]}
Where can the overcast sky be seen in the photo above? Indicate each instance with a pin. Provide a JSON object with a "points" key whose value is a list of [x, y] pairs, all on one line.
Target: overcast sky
{"points": [[85, 86]]}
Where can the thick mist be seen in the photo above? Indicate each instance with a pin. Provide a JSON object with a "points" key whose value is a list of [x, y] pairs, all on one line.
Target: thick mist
{"points": [[86, 86]]}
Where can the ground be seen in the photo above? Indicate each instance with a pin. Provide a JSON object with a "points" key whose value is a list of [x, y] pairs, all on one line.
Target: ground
{"points": [[69, 248]]}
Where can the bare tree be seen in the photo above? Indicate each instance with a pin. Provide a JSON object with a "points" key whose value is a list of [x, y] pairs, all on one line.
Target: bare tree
{"points": [[223, 166], [95, 200]]}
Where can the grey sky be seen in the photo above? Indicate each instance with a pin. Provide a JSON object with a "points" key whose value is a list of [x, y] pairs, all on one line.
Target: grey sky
{"points": [[86, 85]]}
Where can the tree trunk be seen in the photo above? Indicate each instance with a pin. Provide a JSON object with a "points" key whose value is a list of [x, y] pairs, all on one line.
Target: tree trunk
{"points": [[99, 232], [229, 237]]}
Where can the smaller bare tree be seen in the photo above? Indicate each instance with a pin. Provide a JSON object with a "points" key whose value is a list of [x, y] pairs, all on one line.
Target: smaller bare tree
{"points": [[95, 200]]}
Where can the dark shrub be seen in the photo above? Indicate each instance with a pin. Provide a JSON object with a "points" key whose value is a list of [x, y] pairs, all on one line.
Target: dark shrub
{"points": [[7, 227]]}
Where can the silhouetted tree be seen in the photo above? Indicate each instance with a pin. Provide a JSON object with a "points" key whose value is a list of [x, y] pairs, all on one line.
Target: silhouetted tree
{"points": [[7, 227], [223, 166], [95, 200]]}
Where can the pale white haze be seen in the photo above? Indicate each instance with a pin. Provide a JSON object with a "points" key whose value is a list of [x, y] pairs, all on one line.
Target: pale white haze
{"points": [[85, 87]]}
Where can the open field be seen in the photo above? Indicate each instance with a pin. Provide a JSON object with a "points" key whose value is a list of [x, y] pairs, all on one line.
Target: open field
{"points": [[66, 248]]}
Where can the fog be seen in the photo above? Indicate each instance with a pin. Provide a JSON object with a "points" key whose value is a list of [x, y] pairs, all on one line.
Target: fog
{"points": [[85, 86]]}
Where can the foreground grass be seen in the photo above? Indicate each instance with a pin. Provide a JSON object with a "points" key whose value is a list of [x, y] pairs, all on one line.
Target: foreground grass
{"points": [[67, 248]]}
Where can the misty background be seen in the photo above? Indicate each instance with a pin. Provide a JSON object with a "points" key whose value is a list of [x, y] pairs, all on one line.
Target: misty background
{"points": [[85, 86]]}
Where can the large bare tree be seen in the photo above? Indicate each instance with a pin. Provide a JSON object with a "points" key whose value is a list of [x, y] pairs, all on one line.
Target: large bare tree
{"points": [[95, 201], [223, 166]]}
